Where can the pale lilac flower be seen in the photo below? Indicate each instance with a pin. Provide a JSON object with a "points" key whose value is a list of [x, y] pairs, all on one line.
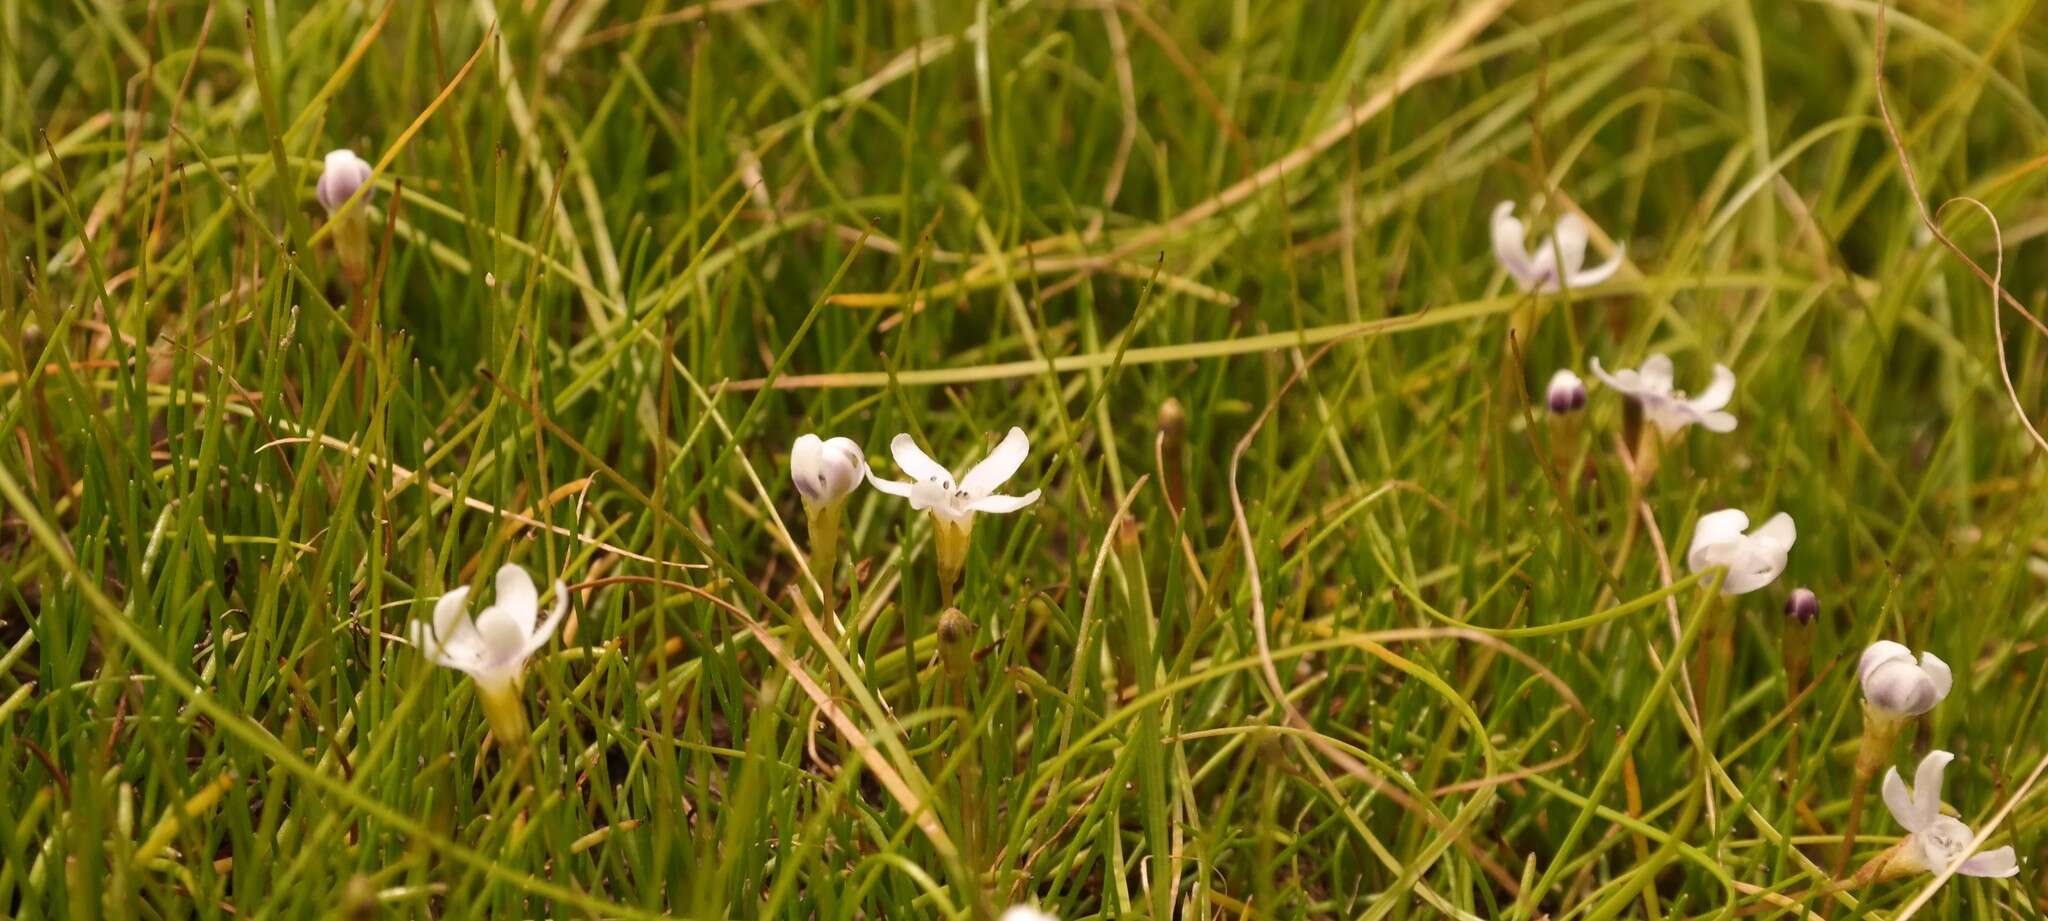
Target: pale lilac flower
{"points": [[1668, 409], [825, 471], [1897, 686], [1934, 841], [1565, 248]]}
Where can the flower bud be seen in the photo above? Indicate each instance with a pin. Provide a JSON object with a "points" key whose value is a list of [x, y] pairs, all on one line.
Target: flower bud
{"points": [[826, 471], [1567, 393], [1803, 606], [956, 643], [343, 175], [1896, 686]]}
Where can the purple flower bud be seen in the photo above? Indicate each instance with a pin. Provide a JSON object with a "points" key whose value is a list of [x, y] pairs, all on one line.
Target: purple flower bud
{"points": [[1803, 606], [340, 178], [1567, 393]]}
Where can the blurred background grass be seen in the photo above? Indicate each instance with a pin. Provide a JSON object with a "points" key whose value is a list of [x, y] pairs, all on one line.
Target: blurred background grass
{"points": [[233, 476]]}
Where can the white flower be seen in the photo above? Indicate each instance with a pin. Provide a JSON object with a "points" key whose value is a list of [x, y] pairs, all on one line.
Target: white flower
{"points": [[1897, 686], [343, 174], [492, 648], [1028, 913], [1753, 560], [1669, 409], [826, 471], [933, 489], [1935, 840], [1538, 271], [1566, 393]]}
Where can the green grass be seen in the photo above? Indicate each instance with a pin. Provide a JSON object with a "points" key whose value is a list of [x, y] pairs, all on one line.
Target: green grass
{"points": [[623, 255]]}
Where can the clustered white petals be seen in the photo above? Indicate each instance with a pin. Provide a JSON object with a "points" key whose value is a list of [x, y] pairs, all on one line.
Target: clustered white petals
{"points": [[494, 646], [1935, 841], [1670, 410], [1896, 685], [342, 175], [826, 471], [1753, 560], [1561, 256], [933, 489]]}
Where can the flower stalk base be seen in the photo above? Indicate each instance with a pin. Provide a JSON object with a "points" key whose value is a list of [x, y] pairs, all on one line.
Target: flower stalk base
{"points": [[352, 245], [952, 539], [507, 718]]}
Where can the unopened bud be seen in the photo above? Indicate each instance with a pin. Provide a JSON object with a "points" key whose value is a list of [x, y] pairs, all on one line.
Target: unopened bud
{"points": [[1896, 686], [825, 471], [956, 643], [1566, 393], [1173, 436], [343, 174], [1803, 606]]}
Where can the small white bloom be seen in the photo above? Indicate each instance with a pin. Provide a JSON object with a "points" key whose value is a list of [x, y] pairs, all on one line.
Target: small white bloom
{"points": [[1897, 686], [1566, 393], [1935, 840], [826, 470], [1753, 560], [1027, 913], [933, 489], [493, 647], [343, 174], [1539, 271], [1669, 409]]}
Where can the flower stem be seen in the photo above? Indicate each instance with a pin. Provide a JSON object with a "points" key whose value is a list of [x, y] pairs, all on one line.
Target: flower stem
{"points": [[823, 520], [1879, 732]]}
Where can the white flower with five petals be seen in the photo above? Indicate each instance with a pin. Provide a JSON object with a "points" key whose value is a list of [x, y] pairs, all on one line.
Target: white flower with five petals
{"points": [[933, 489], [1934, 841], [1540, 270], [1897, 686], [1670, 410], [1753, 560], [494, 646]]}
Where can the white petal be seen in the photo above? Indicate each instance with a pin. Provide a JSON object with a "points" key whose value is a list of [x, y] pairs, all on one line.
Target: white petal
{"points": [[1992, 864], [1752, 568], [915, 462], [891, 487], [999, 465], [1718, 392], [1028, 913], [516, 597], [1656, 372], [1938, 672], [1587, 278], [1004, 504], [1569, 238], [1714, 529], [1927, 785], [448, 613], [1611, 380], [546, 629], [1900, 801], [1509, 246], [501, 634], [1877, 654], [1717, 421], [804, 465], [1778, 531]]}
